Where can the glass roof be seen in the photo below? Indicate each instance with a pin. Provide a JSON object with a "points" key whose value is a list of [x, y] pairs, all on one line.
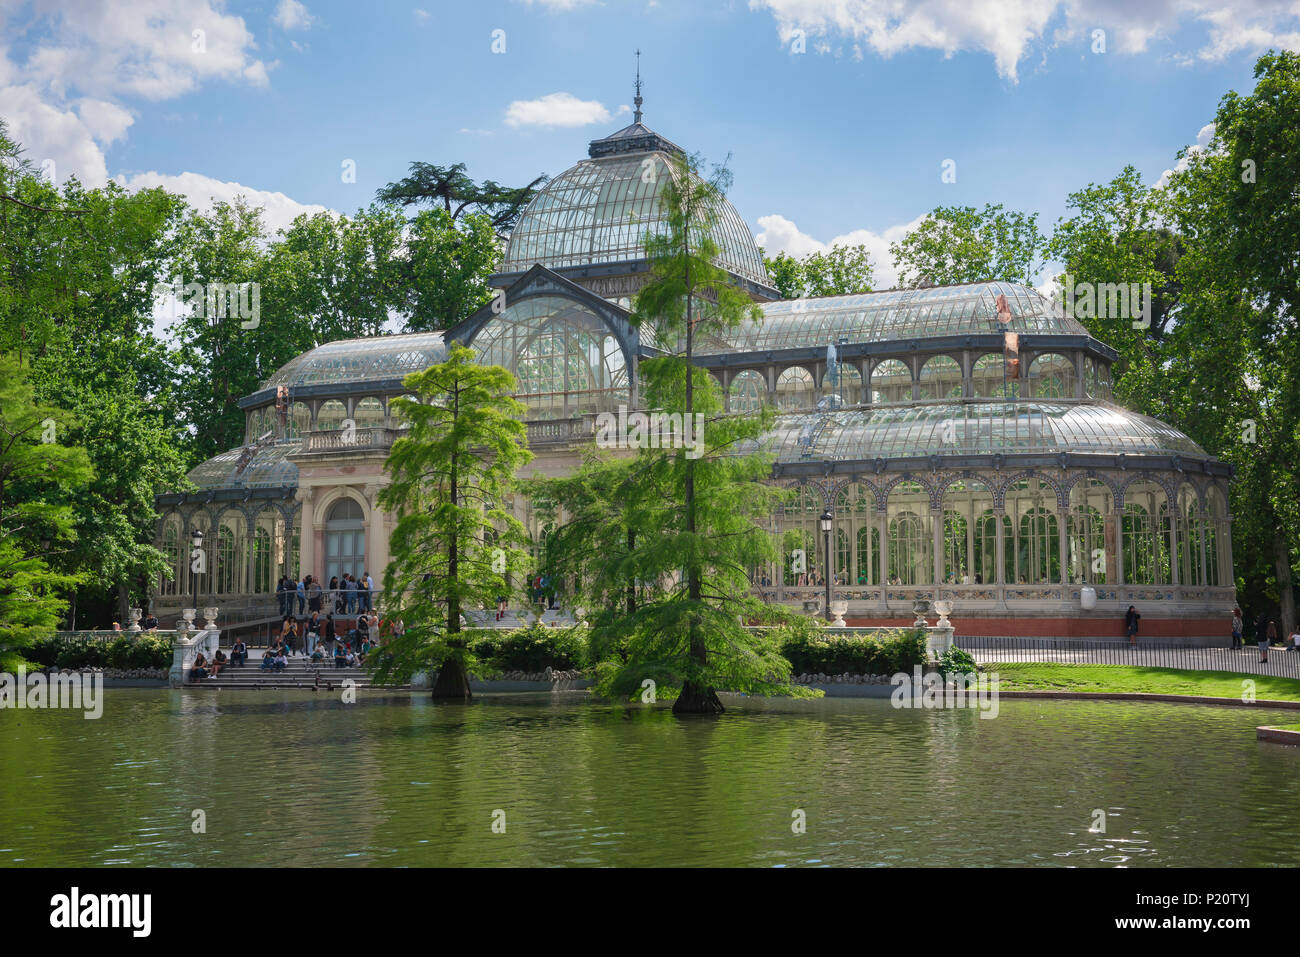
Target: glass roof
{"points": [[901, 314], [599, 212], [973, 429], [269, 468], [356, 360]]}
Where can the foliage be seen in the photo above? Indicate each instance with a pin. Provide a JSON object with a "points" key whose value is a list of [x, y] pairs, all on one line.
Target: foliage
{"points": [[957, 244], [533, 648], [812, 652], [457, 193], [444, 273], [957, 661], [144, 651], [840, 271], [455, 545]]}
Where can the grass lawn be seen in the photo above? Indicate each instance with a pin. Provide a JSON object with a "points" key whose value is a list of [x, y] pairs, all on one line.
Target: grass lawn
{"points": [[1125, 678], [1286, 727]]}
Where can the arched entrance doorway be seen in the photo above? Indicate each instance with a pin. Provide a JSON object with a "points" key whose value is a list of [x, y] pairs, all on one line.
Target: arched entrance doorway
{"points": [[345, 539]]}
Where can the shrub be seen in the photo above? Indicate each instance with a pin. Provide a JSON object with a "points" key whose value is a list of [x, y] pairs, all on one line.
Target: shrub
{"points": [[146, 651], [955, 661], [811, 651], [534, 648]]}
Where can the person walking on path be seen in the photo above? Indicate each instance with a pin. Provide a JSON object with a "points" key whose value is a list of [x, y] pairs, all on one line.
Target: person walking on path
{"points": [[1131, 625], [1237, 626], [1266, 634]]}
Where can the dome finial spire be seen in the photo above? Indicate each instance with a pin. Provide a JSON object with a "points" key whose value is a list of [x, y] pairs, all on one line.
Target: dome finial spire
{"points": [[636, 116]]}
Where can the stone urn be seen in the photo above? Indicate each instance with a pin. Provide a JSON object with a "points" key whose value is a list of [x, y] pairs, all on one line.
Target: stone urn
{"points": [[136, 614], [210, 616], [944, 609], [919, 607], [811, 606], [838, 610], [187, 618]]}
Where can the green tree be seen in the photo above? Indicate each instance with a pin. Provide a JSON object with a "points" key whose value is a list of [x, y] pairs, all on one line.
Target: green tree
{"points": [[455, 544], [841, 271], [959, 244], [703, 539], [35, 465], [452, 188], [445, 268]]}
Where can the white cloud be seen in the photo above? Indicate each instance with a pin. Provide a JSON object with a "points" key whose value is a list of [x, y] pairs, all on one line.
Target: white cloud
{"points": [[1202, 141], [292, 15], [1006, 29], [781, 235], [279, 211], [422, 17], [557, 109], [64, 100]]}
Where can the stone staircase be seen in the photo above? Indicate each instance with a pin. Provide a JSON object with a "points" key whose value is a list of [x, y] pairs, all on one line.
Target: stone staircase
{"points": [[299, 672], [517, 618]]}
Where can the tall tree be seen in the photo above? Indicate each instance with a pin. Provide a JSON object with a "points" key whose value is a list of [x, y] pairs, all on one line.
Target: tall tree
{"points": [[454, 545], [36, 464], [959, 244], [840, 271], [445, 268], [706, 537], [452, 188]]}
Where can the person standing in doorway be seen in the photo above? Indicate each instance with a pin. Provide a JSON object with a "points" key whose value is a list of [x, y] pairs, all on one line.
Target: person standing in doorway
{"points": [[1131, 625]]}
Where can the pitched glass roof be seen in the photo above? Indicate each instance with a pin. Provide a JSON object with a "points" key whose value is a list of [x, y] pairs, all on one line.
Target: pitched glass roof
{"points": [[972, 429], [357, 360], [268, 468], [599, 212], [901, 314]]}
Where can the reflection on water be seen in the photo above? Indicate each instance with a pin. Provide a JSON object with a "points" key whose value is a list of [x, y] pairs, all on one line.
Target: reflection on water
{"points": [[300, 779]]}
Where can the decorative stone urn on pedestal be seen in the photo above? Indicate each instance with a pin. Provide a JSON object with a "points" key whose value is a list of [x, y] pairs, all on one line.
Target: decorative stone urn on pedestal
{"points": [[1088, 598], [919, 608], [210, 614], [944, 609], [839, 609], [136, 615], [811, 606], [187, 618]]}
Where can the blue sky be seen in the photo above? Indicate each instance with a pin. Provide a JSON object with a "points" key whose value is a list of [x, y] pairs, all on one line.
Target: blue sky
{"points": [[843, 140]]}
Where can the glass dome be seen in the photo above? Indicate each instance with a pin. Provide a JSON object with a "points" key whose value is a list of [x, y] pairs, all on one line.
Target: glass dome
{"points": [[901, 314], [599, 212], [976, 428], [269, 468], [358, 360]]}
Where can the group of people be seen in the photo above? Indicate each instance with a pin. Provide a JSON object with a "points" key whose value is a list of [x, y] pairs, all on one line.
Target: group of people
{"points": [[1265, 630], [346, 596]]}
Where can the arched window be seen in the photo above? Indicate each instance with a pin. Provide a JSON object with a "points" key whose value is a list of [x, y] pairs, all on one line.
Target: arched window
{"points": [[794, 389], [1189, 541], [965, 503], [910, 539], [747, 392], [227, 567], [368, 413], [857, 536], [1215, 530], [940, 378], [891, 381], [986, 546], [1090, 504], [331, 416], [1051, 376], [848, 384], [1036, 557], [801, 538], [566, 358], [345, 539], [988, 375], [171, 547], [299, 419]]}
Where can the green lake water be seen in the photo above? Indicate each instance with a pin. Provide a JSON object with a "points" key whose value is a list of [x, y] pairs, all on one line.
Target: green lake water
{"points": [[292, 778]]}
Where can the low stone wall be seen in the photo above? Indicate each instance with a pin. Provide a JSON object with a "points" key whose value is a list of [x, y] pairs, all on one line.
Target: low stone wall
{"points": [[116, 677]]}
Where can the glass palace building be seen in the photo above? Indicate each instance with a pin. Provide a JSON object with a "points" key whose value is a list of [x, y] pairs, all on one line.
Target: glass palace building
{"points": [[944, 480]]}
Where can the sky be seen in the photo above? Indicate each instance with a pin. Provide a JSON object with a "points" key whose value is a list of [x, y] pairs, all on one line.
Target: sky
{"points": [[836, 117]]}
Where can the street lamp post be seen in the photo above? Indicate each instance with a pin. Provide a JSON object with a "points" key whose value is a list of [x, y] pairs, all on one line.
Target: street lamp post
{"points": [[827, 521], [197, 538]]}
